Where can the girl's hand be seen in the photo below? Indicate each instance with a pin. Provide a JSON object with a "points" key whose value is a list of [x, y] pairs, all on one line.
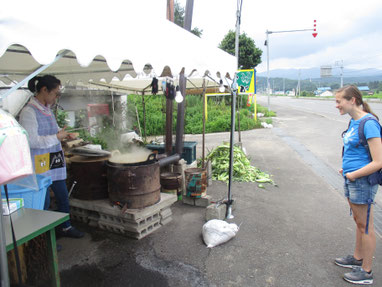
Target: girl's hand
{"points": [[341, 171], [349, 176]]}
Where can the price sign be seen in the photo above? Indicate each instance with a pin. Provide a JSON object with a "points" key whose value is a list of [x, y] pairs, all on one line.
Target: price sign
{"points": [[246, 81]]}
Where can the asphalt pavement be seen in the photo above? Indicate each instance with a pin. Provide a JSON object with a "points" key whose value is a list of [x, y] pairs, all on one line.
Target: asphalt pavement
{"points": [[289, 234]]}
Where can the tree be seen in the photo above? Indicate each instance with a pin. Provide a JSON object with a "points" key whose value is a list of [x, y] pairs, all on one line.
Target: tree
{"points": [[249, 54], [179, 19]]}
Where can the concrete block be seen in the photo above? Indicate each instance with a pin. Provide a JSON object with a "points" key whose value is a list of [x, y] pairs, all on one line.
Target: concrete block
{"points": [[203, 201], [166, 220], [188, 200], [135, 223], [137, 234], [104, 206], [214, 211], [164, 213], [79, 218]]}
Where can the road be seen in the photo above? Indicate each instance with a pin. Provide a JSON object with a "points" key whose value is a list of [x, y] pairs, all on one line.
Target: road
{"points": [[316, 124]]}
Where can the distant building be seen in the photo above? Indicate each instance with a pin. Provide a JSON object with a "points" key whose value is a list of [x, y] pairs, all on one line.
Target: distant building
{"points": [[291, 93], [326, 94], [321, 90], [363, 88]]}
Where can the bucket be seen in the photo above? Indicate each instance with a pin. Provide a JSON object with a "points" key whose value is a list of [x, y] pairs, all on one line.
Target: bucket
{"points": [[171, 182], [196, 182]]}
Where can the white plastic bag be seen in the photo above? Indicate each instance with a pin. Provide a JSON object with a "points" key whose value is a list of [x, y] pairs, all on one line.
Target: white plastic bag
{"points": [[217, 231]]}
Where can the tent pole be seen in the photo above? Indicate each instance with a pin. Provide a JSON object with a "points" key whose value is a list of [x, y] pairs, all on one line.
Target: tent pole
{"points": [[180, 117], [35, 73], [232, 135], [112, 105], [204, 124], [144, 114], [169, 108], [3, 253]]}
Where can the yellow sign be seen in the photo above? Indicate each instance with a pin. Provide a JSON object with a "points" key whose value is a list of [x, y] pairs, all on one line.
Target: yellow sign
{"points": [[246, 81], [41, 163]]}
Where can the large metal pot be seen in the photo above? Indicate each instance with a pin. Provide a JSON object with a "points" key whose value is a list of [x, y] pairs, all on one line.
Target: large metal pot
{"points": [[134, 184], [90, 177]]}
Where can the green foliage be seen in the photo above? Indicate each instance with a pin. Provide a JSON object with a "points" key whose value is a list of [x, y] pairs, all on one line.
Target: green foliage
{"points": [[80, 119], [249, 54], [179, 19], [306, 94], [219, 114], [85, 135], [377, 95], [242, 168], [61, 118]]}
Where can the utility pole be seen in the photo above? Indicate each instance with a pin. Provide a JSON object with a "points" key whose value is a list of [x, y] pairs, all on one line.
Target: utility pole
{"points": [[298, 86], [340, 64], [283, 86], [182, 84], [267, 44], [169, 103], [238, 21]]}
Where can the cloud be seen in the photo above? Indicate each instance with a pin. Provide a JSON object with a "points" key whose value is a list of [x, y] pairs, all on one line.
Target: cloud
{"points": [[346, 29]]}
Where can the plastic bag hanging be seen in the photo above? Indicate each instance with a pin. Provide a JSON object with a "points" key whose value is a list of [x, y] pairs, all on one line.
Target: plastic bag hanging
{"points": [[15, 154]]}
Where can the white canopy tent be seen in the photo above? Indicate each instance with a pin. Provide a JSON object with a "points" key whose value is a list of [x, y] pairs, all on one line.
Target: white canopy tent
{"points": [[99, 41]]}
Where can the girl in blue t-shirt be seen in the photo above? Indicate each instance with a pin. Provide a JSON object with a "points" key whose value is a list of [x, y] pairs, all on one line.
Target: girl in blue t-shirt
{"points": [[356, 167]]}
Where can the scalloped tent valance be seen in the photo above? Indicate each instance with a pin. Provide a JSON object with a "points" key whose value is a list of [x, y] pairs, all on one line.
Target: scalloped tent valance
{"points": [[118, 38]]}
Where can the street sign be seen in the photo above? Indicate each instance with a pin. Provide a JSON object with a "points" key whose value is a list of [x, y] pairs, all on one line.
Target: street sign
{"points": [[246, 81]]}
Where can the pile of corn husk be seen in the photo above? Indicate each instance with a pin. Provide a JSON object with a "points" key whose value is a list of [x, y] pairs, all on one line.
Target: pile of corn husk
{"points": [[242, 168]]}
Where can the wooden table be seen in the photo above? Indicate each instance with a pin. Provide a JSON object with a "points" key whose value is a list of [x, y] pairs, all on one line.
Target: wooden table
{"points": [[29, 223]]}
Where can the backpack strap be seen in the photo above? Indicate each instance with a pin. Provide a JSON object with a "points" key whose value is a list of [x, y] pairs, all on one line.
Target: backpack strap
{"points": [[343, 134], [361, 133]]}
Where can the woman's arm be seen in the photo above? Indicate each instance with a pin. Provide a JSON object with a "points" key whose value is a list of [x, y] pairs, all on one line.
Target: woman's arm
{"points": [[375, 147], [28, 121]]}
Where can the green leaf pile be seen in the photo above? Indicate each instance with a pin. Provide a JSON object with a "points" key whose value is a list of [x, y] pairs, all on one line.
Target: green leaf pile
{"points": [[242, 168]]}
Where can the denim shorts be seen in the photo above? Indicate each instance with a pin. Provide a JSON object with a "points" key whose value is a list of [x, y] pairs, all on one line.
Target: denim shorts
{"points": [[360, 190]]}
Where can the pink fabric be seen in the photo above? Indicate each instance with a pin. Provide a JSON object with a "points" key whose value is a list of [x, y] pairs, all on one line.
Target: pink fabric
{"points": [[14, 150], [15, 158]]}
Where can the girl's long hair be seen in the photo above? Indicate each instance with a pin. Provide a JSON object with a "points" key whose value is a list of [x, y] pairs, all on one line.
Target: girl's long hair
{"points": [[351, 91]]}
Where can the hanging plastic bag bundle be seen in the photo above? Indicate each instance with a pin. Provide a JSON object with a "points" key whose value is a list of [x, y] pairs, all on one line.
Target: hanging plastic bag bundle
{"points": [[14, 150], [216, 232]]}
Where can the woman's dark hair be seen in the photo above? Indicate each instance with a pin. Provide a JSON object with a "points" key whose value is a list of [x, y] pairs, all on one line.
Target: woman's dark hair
{"points": [[48, 81], [349, 92]]}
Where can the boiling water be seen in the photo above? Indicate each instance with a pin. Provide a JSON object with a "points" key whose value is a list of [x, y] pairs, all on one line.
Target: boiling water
{"points": [[136, 155]]}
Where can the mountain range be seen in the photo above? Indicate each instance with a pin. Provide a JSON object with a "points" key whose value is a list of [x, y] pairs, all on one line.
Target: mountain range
{"points": [[364, 75]]}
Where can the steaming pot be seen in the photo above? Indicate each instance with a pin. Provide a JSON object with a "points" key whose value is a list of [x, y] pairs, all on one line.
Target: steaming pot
{"points": [[135, 184]]}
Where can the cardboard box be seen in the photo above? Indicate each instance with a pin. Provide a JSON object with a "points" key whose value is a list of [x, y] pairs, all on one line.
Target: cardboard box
{"points": [[14, 204]]}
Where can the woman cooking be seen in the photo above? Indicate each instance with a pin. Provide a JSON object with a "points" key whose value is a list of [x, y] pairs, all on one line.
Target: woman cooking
{"points": [[44, 140]]}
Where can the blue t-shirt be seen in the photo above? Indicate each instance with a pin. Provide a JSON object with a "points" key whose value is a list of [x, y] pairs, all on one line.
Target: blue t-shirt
{"points": [[357, 157]]}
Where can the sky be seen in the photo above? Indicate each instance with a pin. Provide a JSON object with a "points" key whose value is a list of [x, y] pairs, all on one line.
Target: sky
{"points": [[348, 30]]}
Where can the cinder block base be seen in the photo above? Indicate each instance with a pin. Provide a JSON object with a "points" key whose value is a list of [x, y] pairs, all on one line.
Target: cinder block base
{"points": [[135, 223], [202, 202], [188, 200]]}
